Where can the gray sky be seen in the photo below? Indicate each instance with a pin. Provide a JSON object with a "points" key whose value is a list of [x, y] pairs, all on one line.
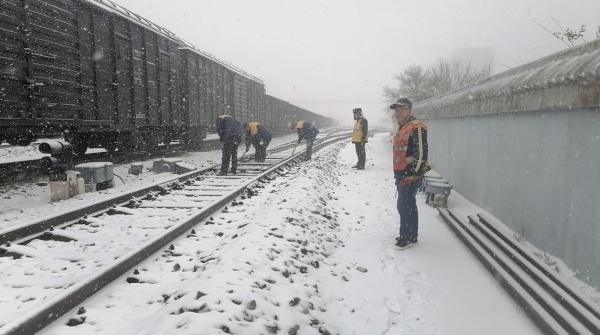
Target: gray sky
{"points": [[332, 56]]}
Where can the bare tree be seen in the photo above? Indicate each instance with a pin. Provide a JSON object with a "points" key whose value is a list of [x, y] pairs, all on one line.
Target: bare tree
{"points": [[421, 83], [412, 82], [448, 75]]}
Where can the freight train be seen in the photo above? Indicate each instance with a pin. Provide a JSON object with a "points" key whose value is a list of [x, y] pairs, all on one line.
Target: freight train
{"points": [[103, 76]]}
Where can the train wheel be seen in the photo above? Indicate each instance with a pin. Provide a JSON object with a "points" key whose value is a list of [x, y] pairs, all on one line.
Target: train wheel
{"points": [[167, 140], [150, 143], [127, 143], [126, 147], [79, 148], [79, 143], [111, 147]]}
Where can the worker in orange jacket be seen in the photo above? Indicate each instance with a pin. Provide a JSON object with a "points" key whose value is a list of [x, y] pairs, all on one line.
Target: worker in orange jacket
{"points": [[410, 151]]}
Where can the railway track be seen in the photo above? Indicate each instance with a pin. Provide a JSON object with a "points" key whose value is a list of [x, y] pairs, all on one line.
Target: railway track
{"points": [[86, 249], [24, 169], [549, 300]]}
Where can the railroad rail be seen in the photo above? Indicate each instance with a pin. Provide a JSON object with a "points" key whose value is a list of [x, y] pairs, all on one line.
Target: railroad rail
{"points": [[554, 305], [86, 249], [23, 169]]}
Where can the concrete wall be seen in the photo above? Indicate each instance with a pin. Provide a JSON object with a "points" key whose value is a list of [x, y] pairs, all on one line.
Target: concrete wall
{"points": [[538, 172]]}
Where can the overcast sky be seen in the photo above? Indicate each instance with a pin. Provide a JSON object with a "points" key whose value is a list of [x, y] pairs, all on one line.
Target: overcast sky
{"points": [[332, 56]]}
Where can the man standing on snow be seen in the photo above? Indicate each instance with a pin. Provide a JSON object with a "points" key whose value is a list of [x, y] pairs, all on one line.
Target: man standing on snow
{"points": [[230, 133], [359, 137], [259, 137], [306, 131], [410, 152]]}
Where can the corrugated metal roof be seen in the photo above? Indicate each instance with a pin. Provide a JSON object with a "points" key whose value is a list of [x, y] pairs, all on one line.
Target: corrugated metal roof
{"points": [[566, 79]]}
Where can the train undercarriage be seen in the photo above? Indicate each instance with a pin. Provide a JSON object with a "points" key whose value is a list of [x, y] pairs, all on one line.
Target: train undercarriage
{"points": [[113, 141]]}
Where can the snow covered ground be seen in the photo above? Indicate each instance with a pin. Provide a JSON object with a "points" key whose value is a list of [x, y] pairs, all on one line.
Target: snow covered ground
{"points": [[312, 253], [20, 204]]}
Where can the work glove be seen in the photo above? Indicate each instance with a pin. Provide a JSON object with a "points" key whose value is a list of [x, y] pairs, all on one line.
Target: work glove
{"points": [[404, 182]]}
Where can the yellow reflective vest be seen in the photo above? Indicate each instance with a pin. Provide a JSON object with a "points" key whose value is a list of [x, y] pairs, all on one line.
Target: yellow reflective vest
{"points": [[359, 133]]}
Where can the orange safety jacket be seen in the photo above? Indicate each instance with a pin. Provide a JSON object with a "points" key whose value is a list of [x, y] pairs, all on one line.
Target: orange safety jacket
{"points": [[400, 146]]}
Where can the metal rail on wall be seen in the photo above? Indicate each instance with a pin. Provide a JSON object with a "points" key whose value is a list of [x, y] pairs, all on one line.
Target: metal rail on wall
{"points": [[554, 305]]}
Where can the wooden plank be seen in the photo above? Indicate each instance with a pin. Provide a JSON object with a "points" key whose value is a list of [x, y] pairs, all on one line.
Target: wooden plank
{"points": [[10, 21], [8, 60], [58, 36], [48, 69], [56, 8], [12, 6], [14, 50], [12, 107]]}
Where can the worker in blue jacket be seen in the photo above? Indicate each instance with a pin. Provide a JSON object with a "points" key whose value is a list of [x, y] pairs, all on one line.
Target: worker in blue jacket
{"points": [[308, 132], [230, 133]]}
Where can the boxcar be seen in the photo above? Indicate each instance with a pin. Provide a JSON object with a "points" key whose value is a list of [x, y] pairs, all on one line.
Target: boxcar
{"points": [[91, 69], [211, 87], [279, 114], [105, 77]]}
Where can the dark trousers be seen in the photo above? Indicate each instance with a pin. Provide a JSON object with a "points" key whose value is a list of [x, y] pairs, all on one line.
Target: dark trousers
{"points": [[310, 142], [260, 150], [230, 148], [361, 152], [407, 207]]}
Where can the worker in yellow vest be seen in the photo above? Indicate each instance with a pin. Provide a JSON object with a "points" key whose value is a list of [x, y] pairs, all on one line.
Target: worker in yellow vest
{"points": [[359, 137], [410, 151]]}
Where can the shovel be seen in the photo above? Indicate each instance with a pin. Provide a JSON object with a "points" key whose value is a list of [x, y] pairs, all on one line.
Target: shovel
{"points": [[294, 149]]}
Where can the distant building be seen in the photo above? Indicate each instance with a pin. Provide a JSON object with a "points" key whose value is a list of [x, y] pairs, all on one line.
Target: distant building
{"points": [[478, 57]]}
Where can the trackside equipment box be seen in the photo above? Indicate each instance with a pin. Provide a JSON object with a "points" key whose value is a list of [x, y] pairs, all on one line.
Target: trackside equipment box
{"points": [[95, 173], [165, 165]]}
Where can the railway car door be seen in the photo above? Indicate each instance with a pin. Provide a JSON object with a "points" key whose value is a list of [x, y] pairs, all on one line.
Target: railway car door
{"points": [[140, 77], [164, 76], [124, 78], [151, 63]]}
